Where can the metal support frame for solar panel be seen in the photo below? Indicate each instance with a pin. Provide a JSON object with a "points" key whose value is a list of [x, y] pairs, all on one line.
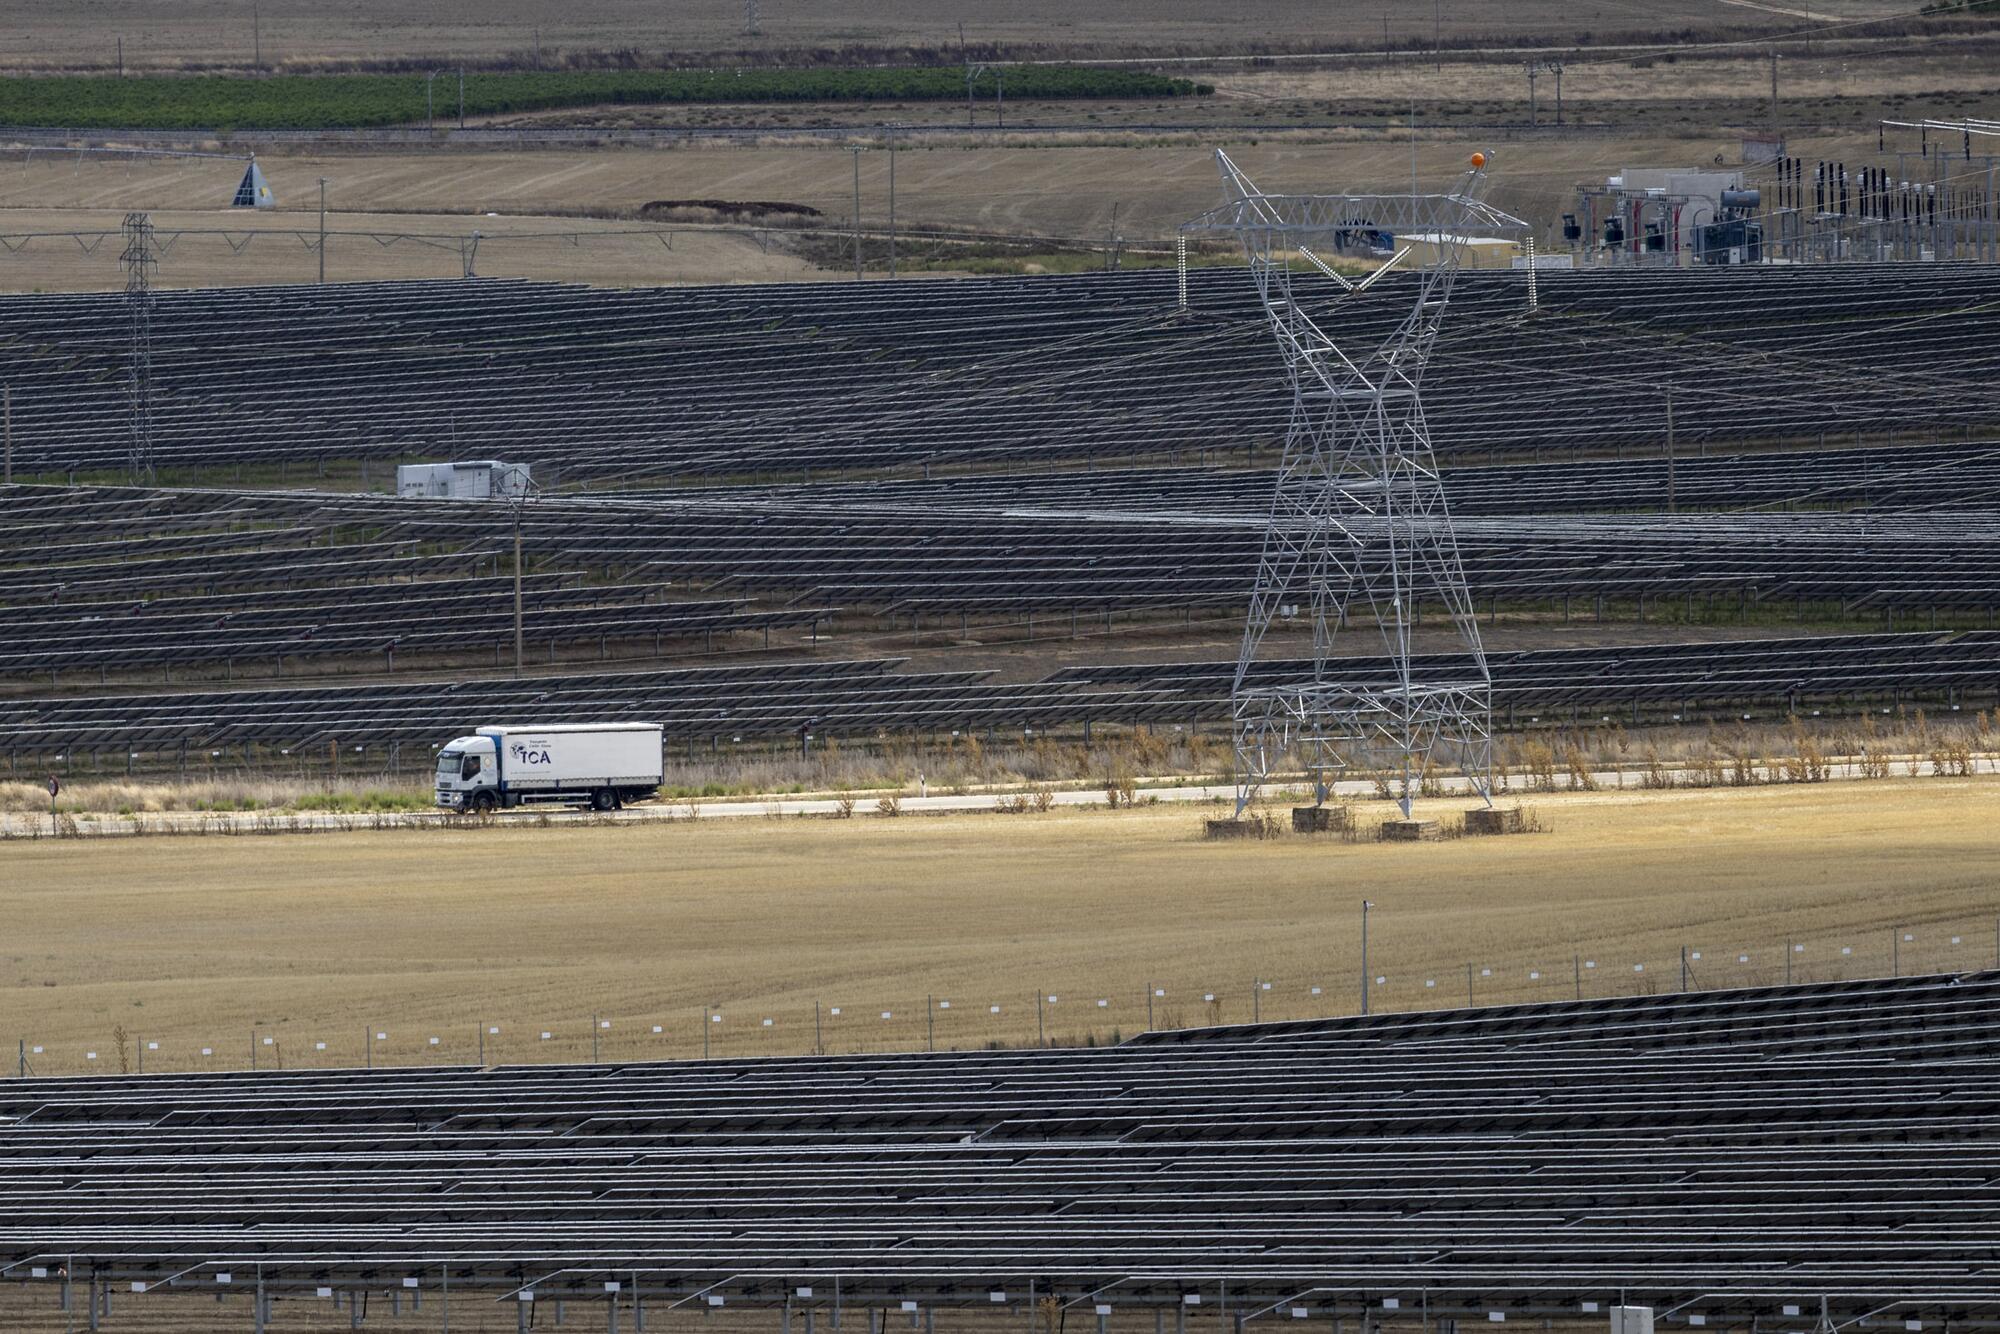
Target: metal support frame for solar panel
{"points": [[139, 260], [1359, 518]]}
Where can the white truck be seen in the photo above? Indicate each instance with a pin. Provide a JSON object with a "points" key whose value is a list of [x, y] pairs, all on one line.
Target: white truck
{"points": [[602, 765]]}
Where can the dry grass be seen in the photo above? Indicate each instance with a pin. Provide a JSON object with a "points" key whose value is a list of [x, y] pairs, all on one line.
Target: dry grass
{"points": [[1064, 185], [607, 253], [201, 941], [1047, 189], [54, 33]]}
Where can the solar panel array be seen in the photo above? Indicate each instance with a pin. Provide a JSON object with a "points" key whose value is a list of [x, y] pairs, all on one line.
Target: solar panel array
{"points": [[713, 705], [810, 378], [1720, 1157], [1906, 476], [919, 558], [129, 580]]}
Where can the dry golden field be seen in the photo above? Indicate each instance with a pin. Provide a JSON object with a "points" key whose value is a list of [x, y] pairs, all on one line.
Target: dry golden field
{"points": [[1051, 189], [201, 941], [60, 33]]}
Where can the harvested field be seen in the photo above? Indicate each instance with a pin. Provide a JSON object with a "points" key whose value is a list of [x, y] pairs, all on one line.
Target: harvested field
{"points": [[53, 34], [325, 938], [1055, 190], [217, 253]]}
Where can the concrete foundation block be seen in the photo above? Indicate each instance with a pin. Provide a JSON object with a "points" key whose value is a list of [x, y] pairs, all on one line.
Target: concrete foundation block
{"points": [[1494, 820], [1320, 819], [1411, 831]]}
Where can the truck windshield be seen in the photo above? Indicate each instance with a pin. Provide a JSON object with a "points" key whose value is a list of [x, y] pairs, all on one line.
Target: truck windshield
{"points": [[448, 759]]}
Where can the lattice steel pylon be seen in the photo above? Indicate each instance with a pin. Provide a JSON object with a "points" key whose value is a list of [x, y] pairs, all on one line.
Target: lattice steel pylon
{"points": [[139, 259], [1359, 523]]}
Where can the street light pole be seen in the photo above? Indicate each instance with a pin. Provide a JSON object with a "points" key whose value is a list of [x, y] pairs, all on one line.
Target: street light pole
{"points": [[1365, 906], [322, 229]]}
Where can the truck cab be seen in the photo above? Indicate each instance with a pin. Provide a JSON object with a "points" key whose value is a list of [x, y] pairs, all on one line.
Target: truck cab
{"points": [[468, 774]]}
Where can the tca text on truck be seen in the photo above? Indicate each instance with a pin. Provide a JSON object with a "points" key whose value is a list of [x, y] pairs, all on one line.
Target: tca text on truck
{"points": [[601, 765]]}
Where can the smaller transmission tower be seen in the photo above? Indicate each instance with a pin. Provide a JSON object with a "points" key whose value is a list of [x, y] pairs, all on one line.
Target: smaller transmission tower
{"points": [[139, 259]]}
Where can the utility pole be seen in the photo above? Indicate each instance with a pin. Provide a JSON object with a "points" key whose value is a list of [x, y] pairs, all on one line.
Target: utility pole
{"points": [[520, 515], [7, 428], [892, 205], [1556, 68], [857, 213], [520, 639], [322, 229], [1670, 449], [1534, 71], [461, 97], [121, 57], [1774, 91], [1365, 906]]}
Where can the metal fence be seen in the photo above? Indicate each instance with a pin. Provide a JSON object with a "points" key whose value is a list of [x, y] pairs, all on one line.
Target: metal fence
{"points": [[1068, 1012]]}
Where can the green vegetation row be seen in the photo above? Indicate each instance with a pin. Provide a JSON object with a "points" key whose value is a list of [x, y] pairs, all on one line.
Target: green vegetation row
{"points": [[353, 101]]}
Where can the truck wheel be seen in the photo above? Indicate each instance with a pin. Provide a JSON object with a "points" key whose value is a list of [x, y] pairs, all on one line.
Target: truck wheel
{"points": [[603, 799], [483, 803]]}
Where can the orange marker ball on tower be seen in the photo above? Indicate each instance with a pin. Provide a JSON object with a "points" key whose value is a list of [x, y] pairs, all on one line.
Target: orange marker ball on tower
{"points": [[1478, 161]]}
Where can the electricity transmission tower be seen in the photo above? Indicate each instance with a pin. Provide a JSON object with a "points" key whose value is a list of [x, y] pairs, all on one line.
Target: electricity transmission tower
{"points": [[139, 260], [1359, 531]]}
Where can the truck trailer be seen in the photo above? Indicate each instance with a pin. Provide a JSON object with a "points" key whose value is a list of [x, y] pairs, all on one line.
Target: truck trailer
{"points": [[601, 765]]}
